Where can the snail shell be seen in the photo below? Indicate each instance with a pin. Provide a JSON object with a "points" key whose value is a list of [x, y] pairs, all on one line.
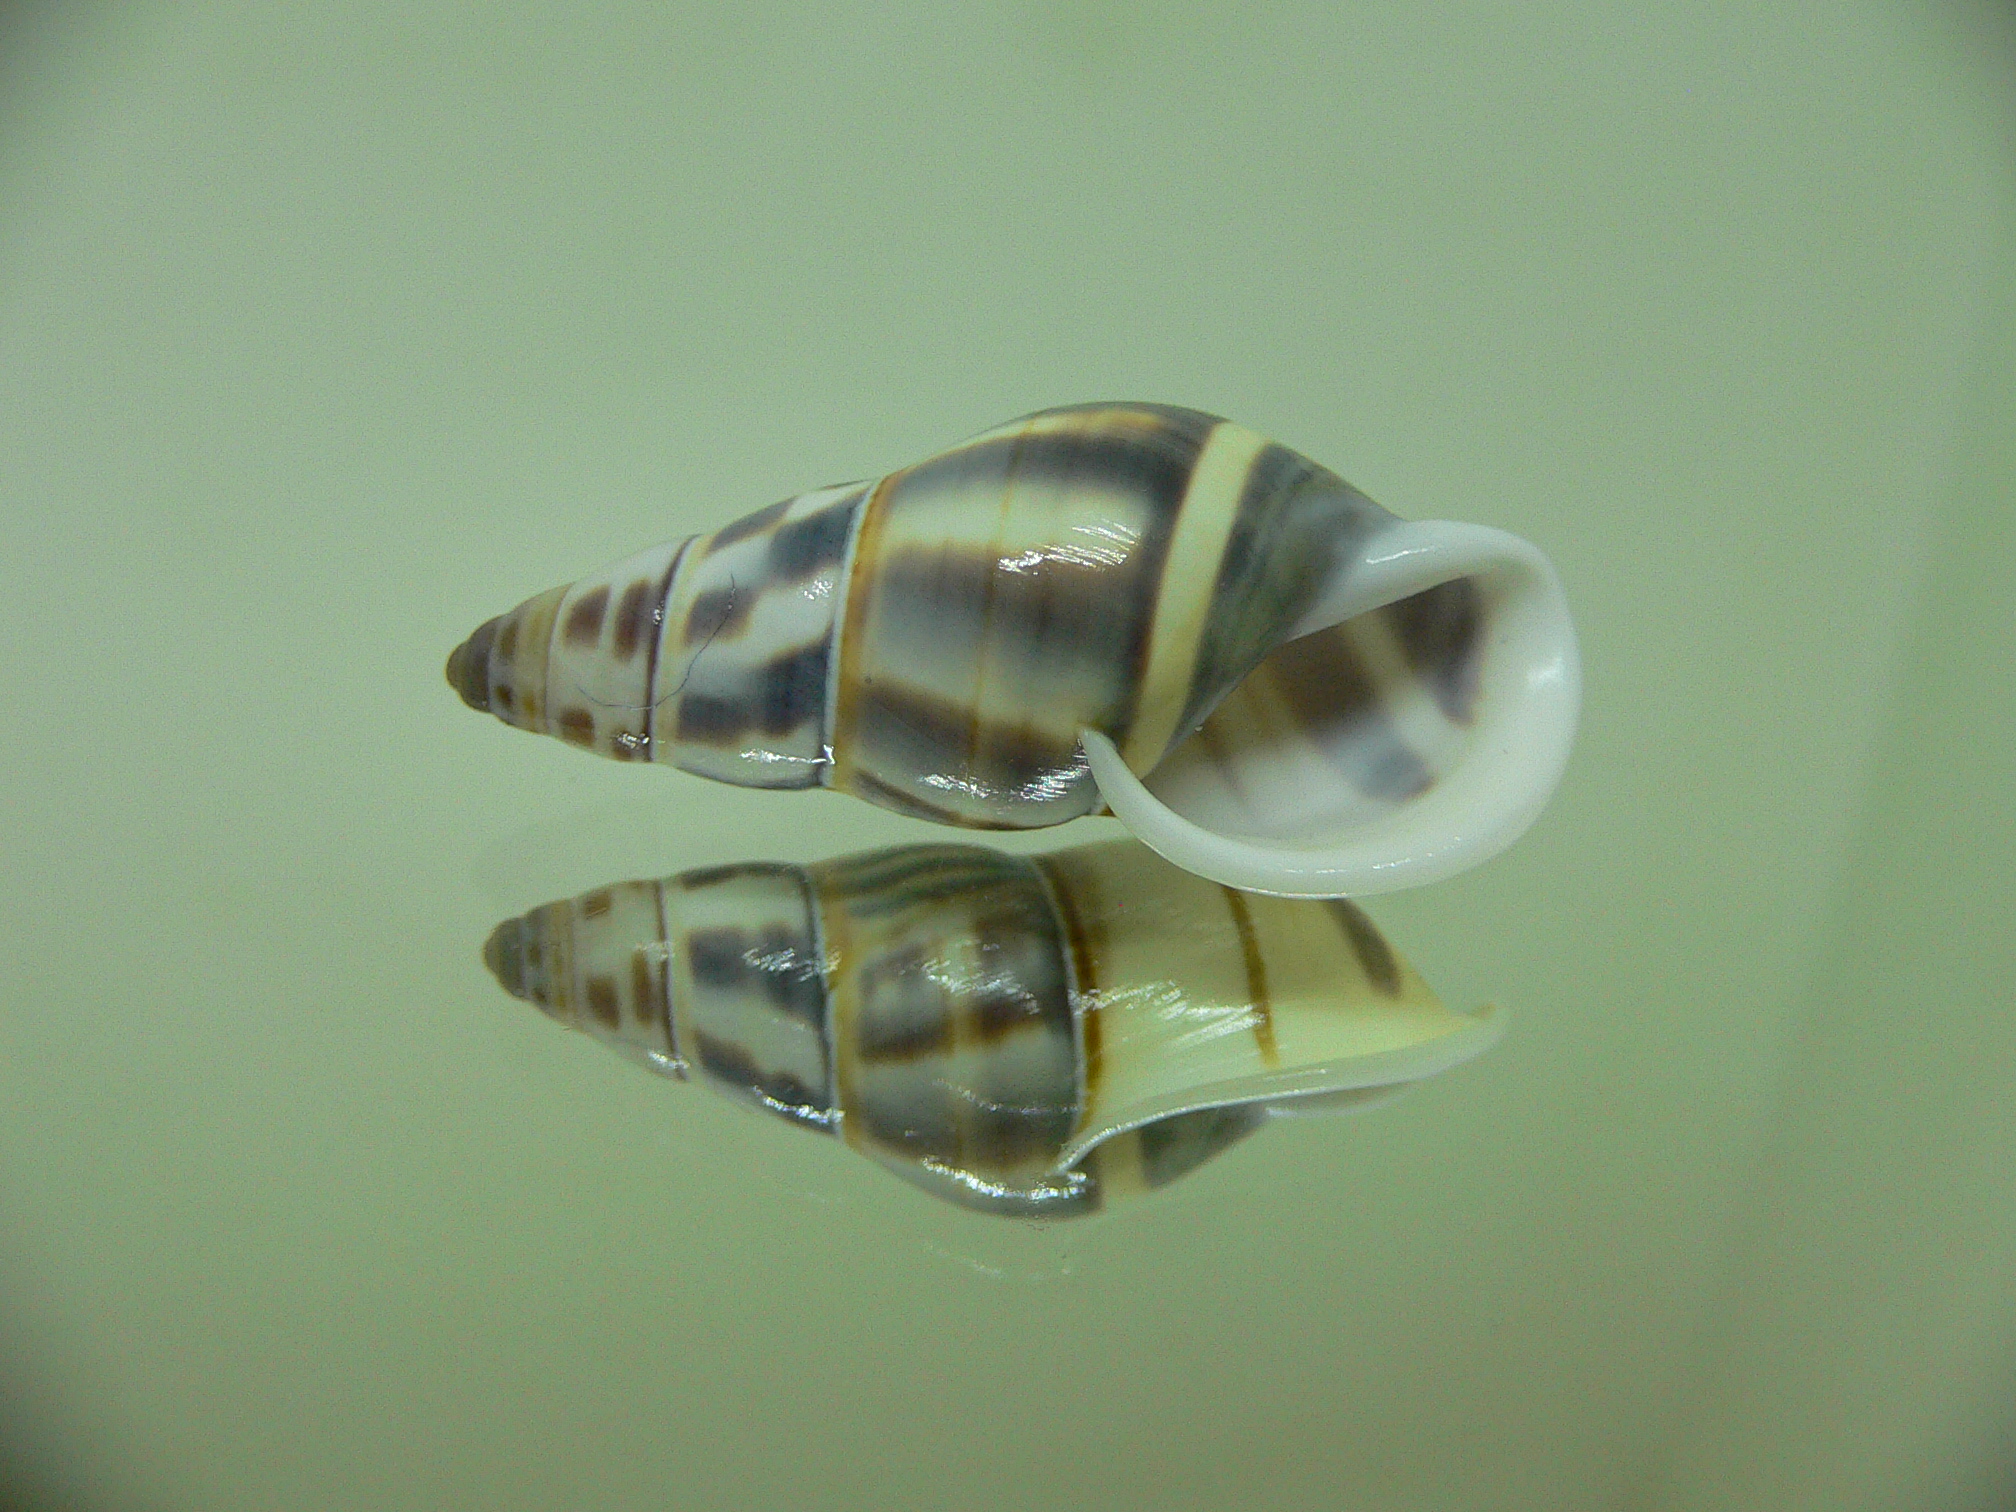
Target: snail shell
{"points": [[1260, 672], [1020, 1035]]}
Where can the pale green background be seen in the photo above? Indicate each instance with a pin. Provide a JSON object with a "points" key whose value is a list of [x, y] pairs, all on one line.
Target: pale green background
{"points": [[327, 331]]}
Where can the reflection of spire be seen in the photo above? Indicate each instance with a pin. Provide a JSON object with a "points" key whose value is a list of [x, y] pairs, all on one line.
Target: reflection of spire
{"points": [[1018, 1034]]}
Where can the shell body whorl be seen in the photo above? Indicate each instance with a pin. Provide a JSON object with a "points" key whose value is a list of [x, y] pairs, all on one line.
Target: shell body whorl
{"points": [[1265, 675], [1019, 1035], [1115, 568]]}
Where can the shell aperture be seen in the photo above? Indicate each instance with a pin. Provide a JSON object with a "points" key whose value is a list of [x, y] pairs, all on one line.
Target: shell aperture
{"points": [[1023, 1035], [1267, 677]]}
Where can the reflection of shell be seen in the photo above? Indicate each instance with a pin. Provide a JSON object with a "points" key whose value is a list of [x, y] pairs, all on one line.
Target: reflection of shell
{"points": [[1263, 673], [1017, 1035]]}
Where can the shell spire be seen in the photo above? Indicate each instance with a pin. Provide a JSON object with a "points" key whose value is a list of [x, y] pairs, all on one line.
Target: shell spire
{"points": [[1021, 1035], [1263, 674], [709, 653]]}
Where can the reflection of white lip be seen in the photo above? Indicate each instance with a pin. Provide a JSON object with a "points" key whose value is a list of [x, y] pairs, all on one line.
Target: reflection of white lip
{"points": [[1345, 1085], [1282, 806]]}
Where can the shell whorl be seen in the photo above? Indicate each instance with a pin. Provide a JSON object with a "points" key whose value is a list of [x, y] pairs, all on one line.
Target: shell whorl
{"points": [[1018, 1035], [1264, 674], [1106, 567]]}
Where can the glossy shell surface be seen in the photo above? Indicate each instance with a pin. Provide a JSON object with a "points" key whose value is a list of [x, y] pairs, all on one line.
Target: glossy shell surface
{"points": [[1265, 675]]}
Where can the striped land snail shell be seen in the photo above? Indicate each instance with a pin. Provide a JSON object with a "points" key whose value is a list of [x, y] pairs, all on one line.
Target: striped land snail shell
{"points": [[1264, 675]]}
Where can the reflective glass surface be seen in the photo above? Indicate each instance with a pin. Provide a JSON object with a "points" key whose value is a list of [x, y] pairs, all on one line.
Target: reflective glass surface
{"points": [[329, 331]]}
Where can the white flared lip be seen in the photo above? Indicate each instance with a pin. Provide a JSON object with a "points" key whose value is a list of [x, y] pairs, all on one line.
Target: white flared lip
{"points": [[1474, 813]]}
